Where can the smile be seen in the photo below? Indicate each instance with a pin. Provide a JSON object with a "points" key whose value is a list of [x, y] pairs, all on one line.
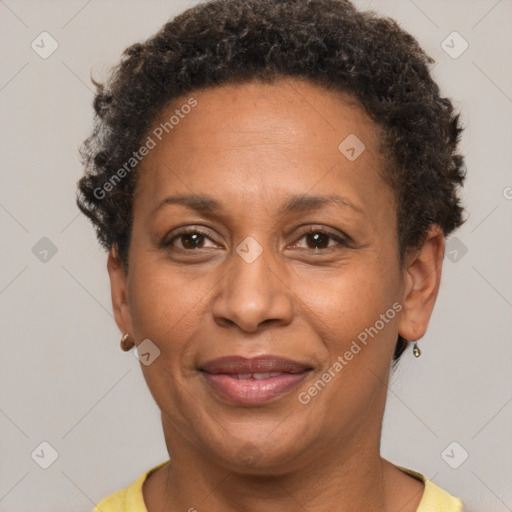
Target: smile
{"points": [[253, 381]]}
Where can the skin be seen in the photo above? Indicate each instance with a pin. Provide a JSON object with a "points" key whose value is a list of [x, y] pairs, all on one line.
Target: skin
{"points": [[251, 146]]}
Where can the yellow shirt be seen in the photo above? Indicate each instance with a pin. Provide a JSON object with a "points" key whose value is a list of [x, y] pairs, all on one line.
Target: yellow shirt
{"points": [[131, 500]]}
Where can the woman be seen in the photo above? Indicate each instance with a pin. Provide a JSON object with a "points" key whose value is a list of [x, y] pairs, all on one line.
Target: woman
{"points": [[274, 181]]}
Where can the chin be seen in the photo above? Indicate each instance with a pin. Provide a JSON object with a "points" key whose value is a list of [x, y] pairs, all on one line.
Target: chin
{"points": [[261, 456]]}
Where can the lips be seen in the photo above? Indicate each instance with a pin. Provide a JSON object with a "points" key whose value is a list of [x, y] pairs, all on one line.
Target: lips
{"points": [[253, 381], [261, 364]]}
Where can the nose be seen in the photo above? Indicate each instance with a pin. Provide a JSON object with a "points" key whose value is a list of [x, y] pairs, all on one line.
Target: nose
{"points": [[254, 292]]}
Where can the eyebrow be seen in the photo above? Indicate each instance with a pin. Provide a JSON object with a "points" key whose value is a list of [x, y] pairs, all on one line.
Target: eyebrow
{"points": [[295, 204]]}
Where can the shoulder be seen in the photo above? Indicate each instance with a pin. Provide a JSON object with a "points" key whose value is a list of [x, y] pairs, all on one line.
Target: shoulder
{"points": [[114, 503], [434, 498], [127, 500]]}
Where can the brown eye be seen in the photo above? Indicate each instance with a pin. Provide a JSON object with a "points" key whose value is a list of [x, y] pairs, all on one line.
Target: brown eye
{"points": [[318, 239], [189, 239], [192, 240]]}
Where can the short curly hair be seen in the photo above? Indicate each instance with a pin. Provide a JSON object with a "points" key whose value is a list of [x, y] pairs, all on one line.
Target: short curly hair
{"points": [[327, 42]]}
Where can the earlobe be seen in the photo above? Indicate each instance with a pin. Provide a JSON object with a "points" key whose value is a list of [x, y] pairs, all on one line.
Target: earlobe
{"points": [[119, 291], [422, 279]]}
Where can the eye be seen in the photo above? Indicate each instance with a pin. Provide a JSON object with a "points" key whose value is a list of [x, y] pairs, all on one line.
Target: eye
{"points": [[318, 239], [189, 239]]}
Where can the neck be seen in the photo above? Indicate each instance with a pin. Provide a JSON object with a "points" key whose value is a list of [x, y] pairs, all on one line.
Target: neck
{"points": [[350, 476]]}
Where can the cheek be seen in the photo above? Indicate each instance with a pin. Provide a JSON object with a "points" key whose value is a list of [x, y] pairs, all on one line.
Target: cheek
{"points": [[163, 299], [165, 305], [345, 302], [355, 318]]}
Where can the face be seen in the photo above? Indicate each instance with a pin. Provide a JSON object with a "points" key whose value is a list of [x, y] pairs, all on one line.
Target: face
{"points": [[264, 267]]}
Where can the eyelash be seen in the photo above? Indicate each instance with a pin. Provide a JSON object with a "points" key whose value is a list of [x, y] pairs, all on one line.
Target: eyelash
{"points": [[194, 231]]}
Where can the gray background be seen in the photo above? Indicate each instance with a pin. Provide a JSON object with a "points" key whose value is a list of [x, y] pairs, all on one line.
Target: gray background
{"points": [[63, 378]]}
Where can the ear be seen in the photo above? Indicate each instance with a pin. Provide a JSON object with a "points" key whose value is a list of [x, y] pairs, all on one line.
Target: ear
{"points": [[119, 292], [422, 279]]}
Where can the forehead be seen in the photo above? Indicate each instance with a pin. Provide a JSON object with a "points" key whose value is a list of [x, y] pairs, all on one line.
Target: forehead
{"points": [[256, 114], [285, 136]]}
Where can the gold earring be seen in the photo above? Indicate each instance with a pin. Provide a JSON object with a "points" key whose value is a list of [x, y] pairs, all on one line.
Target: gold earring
{"points": [[416, 351], [124, 345]]}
